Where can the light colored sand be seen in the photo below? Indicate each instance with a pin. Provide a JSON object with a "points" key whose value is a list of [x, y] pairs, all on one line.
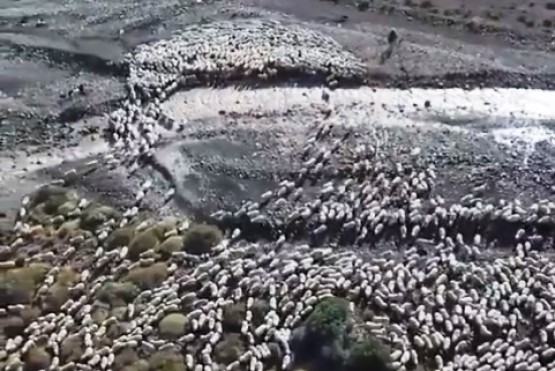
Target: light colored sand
{"points": [[455, 109]]}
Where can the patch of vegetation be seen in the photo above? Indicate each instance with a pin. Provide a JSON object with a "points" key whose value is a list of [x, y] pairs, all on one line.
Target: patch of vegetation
{"points": [[29, 314], [50, 194], [170, 245], [164, 226], [68, 207], [96, 214], [140, 365], [58, 293], [148, 277], [201, 238], [72, 348], [68, 229], [142, 242], [333, 336], [233, 317], [368, 353], [36, 359], [167, 360], [120, 237], [12, 326], [90, 243], [173, 326], [229, 349], [37, 215], [125, 357], [117, 293], [17, 285], [259, 310], [119, 312], [329, 318], [100, 312]]}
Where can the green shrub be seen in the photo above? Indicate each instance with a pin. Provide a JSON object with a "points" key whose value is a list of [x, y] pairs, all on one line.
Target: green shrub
{"points": [[173, 326], [37, 358], [147, 278], [233, 316], [96, 214], [167, 360], [120, 237], [170, 245], [49, 193], [329, 318], [368, 354], [72, 348], [201, 238], [142, 242], [17, 285], [117, 293], [229, 349]]}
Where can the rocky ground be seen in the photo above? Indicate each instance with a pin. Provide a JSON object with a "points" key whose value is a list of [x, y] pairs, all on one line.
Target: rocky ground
{"points": [[520, 24], [270, 186]]}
